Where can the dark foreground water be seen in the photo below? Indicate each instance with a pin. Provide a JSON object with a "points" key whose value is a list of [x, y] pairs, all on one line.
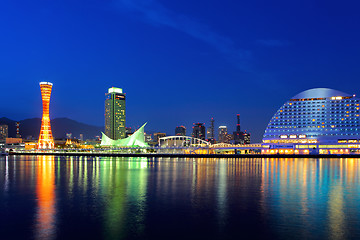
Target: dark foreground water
{"points": [[45, 197]]}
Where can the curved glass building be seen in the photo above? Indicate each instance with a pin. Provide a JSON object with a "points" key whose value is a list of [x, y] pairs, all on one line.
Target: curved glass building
{"points": [[319, 120]]}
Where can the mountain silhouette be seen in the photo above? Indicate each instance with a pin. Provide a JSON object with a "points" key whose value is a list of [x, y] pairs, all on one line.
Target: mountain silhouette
{"points": [[30, 128]]}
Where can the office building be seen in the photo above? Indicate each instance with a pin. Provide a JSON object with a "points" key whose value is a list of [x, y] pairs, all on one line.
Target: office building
{"points": [[246, 137], [223, 135], [115, 114], [210, 132], [238, 135], [180, 131], [46, 140], [199, 131]]}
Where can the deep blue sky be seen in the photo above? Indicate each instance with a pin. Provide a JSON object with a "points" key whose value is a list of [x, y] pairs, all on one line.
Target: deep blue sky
{"points": [[178, 61]]}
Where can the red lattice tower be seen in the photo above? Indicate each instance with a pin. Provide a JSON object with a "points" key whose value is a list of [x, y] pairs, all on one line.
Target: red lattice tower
{"points": [[46, 140]]}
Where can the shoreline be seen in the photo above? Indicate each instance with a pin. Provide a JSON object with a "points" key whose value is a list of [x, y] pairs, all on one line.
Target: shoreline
{"points": [[152, 155]]}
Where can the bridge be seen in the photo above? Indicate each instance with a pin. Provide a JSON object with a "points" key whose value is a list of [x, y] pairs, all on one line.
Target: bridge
{"points": [[182, 141], [195, 145]]}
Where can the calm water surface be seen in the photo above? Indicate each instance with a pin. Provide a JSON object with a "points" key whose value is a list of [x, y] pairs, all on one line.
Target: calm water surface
{"points": [[46, 197]]}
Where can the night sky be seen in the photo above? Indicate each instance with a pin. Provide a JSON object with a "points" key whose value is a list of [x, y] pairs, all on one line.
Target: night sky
{"points": [[179, 62]]}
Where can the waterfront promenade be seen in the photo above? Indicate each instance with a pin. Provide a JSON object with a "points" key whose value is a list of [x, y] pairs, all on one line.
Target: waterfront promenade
{"points": [[181, 155]]}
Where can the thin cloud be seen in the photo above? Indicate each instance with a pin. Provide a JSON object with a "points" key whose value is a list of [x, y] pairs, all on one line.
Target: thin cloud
{"points": [[273, 42], [157, 14]]}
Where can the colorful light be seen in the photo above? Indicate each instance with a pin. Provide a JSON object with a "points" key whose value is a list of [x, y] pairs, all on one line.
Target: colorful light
{"points": [[46, 140]]}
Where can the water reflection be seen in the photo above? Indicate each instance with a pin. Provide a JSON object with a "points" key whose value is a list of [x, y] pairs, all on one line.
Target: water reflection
{"points": [[132, 198], [318, 196], [45, 196], [124, 187]]}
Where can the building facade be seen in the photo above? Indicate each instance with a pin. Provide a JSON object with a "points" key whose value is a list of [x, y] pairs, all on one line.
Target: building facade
{"points": [[319, 121], [246, 137], [128, 131], [115, 114], [180, 131], [4, 132], [199, 131], [211, 132], [223, 138], [148, 137], [158, 135], [238, 135]]}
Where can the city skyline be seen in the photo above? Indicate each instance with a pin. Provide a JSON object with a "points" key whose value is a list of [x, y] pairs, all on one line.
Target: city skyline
{"points": [[244, 58], [121, 97], [155, 119]]}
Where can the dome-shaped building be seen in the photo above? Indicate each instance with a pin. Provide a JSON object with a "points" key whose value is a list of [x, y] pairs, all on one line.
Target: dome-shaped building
{"points": [[319, 120]]}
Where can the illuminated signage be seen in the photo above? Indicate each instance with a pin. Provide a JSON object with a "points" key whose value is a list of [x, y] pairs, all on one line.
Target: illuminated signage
{"points": [[302, 136], [283, 136], [336, 98], [115, 90], [292, 136]]}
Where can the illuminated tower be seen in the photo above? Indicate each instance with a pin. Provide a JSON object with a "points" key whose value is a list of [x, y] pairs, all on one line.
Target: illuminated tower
{"points": [[115, 114], [45, 139], [18, 130]]}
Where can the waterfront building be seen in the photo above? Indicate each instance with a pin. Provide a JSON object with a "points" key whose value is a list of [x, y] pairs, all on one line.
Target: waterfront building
{"points": [[45, 138], [223, 135], [199, 131], [14, 144], [4, 132], [81, 137], [318, 121], [180, 131], [115, 114], [135, 140]]}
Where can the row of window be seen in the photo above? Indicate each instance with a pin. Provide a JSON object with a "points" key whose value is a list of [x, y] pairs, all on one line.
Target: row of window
{"points": [[314, 135], [351, 128], [315, 126], [324, 101]]}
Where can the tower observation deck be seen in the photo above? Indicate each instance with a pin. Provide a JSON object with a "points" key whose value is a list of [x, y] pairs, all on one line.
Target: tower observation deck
{"points": [[46, 140]]}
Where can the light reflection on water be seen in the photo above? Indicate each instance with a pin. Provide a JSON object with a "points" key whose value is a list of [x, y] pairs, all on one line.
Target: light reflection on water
{"points": [[47, 197]]}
